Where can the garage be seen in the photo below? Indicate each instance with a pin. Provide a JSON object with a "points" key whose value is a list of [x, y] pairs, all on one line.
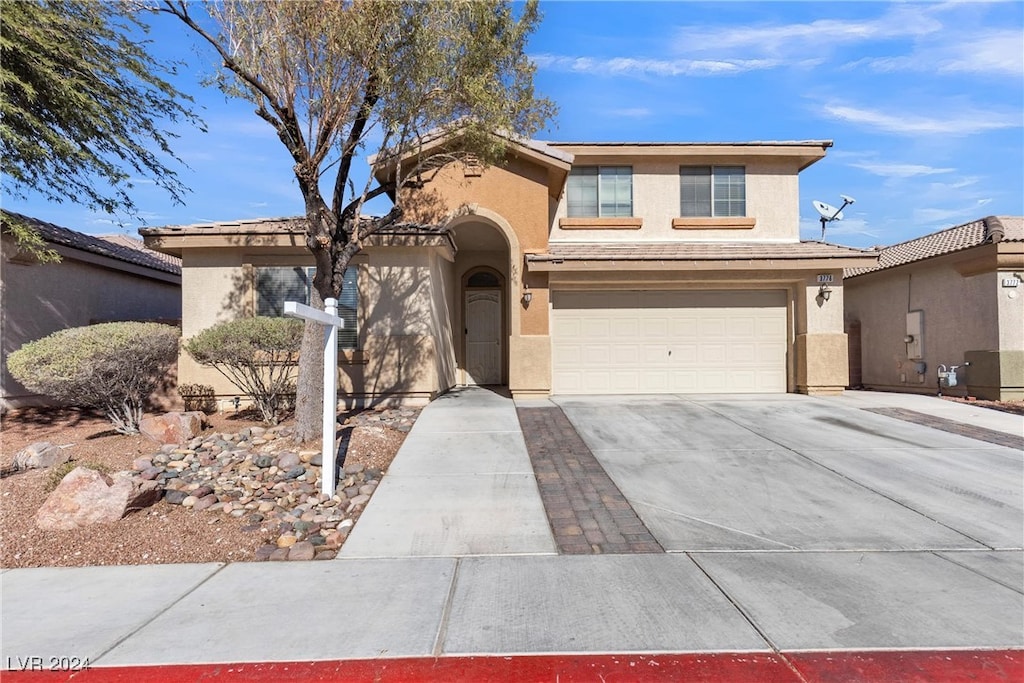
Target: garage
{"points": [[657, 342]]}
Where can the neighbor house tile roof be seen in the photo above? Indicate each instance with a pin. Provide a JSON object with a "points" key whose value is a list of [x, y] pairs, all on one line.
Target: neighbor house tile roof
{"points": [[287, 225], [958, 238], [118, 247], [696, 251]]}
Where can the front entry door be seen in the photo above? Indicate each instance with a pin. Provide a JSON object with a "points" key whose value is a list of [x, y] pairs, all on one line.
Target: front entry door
{"points": [[483, 336]]}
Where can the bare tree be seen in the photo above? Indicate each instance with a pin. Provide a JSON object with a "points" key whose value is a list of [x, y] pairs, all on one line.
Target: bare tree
{"points": [[343, 79]]}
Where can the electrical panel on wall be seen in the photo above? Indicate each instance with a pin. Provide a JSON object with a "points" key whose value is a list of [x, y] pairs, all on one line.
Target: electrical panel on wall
{"points": [[915, 335]]}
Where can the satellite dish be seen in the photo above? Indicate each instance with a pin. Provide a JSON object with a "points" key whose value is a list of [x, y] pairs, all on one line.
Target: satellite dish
{"points": [[830, 213], [827, 211]]}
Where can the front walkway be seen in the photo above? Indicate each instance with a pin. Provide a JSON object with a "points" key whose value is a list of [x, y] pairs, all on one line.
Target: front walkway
{"points": [[461, 485]]}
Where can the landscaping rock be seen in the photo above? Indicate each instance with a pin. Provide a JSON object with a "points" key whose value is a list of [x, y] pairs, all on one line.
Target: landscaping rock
{"points": [[274, 488], [175, 497], [303, 550], [174, 427], [40, 455], [87, 497]]}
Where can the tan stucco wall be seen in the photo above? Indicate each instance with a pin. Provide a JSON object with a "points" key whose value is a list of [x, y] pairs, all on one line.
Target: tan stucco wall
{"points": [[215, 288], [961, 315], [517, 192], [39, 299], [406, 325], [1010, 302], [405, 317], [772, 199], [821, 363]]}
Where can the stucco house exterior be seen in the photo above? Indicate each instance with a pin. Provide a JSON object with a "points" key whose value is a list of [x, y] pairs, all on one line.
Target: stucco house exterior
{"points": [[949, 298], [598, 268], [99, 279]]}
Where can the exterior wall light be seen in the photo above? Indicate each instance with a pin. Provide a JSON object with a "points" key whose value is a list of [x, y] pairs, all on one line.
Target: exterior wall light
{"points": [[527, 296], [824, 292]]}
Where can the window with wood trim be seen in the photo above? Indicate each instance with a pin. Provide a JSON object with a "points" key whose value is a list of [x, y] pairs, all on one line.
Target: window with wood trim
{"points": [[712, 191], [276, 285], [600, 191]]}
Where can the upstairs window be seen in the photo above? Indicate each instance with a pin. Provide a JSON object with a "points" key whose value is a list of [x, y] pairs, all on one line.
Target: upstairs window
{"points": [[710, 191], [600, 191], [274, 286]]}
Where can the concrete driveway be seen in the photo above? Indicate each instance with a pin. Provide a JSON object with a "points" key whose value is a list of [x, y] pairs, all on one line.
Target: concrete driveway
{"points": [[790, 472]]}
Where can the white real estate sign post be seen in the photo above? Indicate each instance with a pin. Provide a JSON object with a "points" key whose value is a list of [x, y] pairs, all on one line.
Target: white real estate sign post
{"points": [[329, 318]]}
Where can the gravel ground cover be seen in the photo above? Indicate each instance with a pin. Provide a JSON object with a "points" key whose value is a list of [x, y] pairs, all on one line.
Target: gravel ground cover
{"points": [[163, 533]]}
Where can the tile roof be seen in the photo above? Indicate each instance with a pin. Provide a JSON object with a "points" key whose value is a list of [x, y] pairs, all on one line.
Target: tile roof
{"points": [[286, 225], [118, 247], [293, 224], [697, 251], [957, 238], [751, 143]]}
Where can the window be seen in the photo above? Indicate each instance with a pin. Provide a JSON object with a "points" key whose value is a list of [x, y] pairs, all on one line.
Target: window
{"points": [[598, 191], [713, 191], [274, 286]]}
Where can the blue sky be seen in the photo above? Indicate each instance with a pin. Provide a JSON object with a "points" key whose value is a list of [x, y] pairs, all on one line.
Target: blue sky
{"points": [[924, 101]]}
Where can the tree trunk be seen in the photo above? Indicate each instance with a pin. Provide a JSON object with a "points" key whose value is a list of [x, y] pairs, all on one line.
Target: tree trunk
{"points": [[309, 387]]}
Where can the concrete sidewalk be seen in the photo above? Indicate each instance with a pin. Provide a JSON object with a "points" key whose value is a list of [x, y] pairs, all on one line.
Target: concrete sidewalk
{"points": [[454, 557]]}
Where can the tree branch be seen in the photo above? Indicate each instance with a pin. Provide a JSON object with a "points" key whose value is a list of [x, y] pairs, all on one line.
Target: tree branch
{"points": [[348, 150]]}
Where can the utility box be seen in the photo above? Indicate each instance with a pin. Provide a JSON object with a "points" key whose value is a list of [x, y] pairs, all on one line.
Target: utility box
{"points": [[915, 335]]}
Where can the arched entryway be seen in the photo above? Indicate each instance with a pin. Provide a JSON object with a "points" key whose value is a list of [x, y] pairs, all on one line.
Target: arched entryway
{"points": [[485, 318]]}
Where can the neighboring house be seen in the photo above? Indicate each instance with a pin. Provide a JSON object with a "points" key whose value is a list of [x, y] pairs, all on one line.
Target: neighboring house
{"points": [[99, 279], [573, 268], [950, 298]]}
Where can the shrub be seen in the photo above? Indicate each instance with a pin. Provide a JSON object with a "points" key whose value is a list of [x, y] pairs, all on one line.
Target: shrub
{"points": [[56, 475], [199, 397], [257, 355], [113, 367]]}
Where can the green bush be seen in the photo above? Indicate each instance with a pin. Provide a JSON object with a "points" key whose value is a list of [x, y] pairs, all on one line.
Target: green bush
{"points": [[198, 397], [257, 355], [113, 367]]}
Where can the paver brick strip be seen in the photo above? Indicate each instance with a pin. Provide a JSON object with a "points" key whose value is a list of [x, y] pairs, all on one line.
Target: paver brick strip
{"points": [[587, 512], [952, 426]]}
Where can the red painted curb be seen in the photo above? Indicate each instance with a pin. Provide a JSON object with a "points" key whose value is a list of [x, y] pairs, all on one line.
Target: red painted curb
{"points": [[952, 666], [995, 666]]}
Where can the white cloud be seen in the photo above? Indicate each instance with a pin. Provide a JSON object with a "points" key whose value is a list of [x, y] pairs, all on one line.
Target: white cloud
{"points": [[990, 53], [900, 21], [895, 170], [790, 38], [961, 123], [645, 66], [943, 216]]}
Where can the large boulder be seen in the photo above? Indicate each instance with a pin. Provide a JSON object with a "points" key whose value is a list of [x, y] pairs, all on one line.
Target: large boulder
{"points": [[39, 455], [174, 427], [86, 497]]}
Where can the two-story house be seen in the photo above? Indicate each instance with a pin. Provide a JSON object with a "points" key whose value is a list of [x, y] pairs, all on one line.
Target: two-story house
{"points": [[596, 268]]}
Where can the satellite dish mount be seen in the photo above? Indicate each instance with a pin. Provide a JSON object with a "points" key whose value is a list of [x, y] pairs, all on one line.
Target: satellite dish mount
{"points": [[830, 213]]}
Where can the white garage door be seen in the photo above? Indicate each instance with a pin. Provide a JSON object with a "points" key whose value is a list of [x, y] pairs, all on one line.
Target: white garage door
{"points": [[635, 342]]}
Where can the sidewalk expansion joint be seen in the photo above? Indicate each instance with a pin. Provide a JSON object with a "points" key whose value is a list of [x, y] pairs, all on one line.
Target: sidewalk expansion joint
{"points": [[159, 613], [446, 611], [586, 510]]}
